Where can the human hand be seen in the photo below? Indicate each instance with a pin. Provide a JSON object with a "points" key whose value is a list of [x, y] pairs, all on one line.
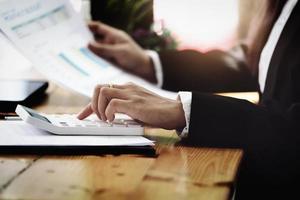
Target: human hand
{"points": [[136, 102], [118, 47]]}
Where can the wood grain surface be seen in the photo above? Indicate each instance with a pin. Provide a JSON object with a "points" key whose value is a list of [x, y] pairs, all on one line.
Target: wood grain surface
{"points": [[176, 173]]}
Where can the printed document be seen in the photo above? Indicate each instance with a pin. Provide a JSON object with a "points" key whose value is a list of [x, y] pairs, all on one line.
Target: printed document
{"points": [[54, 38]]}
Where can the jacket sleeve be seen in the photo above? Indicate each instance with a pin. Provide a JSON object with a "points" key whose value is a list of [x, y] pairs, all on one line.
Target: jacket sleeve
{"points": [[214, 71], [268, 139]]}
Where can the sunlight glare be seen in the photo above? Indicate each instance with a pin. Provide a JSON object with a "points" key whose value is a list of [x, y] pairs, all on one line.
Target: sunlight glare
{"points": [[200, 24]]}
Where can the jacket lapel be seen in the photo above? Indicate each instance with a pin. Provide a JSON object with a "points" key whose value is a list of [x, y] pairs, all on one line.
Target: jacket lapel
{"points": [[280, 52]]}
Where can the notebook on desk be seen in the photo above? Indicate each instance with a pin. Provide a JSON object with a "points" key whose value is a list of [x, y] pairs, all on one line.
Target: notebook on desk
{"points": [[17, 137]]}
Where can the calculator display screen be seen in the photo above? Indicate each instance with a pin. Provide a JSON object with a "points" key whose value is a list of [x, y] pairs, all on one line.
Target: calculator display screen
{"points": [[36, 115]]}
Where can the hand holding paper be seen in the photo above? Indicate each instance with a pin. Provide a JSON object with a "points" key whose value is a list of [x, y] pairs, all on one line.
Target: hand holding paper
{"points": [[55, 39]]}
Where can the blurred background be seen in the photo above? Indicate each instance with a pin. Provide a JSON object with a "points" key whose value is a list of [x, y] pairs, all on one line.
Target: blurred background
{"points": [[159, 24], [193, 24]]}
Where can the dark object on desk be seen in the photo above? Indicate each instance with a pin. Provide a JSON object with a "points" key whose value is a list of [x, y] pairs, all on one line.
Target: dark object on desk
{"points": [[147, 151], [22, 92]]}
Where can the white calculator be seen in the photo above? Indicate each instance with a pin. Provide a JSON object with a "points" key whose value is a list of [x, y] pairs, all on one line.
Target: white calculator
{"points": [[69, 125]]}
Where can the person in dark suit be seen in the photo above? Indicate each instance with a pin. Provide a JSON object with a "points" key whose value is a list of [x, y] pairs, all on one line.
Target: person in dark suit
{"points": [[269, 63]]}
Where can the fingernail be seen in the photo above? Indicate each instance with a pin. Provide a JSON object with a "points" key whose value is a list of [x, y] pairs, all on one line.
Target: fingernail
{"points": [[109, 123], [79, 116]]}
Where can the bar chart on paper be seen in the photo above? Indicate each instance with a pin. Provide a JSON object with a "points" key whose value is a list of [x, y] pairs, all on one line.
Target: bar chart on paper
{"points": [[88, 64], [41, 22]]}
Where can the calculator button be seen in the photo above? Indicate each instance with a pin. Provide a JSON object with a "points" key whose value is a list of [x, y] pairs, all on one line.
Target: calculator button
{"points": [[104, 124], [91, 125]]}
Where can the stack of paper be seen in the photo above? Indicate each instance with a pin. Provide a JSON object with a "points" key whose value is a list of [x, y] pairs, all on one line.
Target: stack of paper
{"points": [[17, 133]]}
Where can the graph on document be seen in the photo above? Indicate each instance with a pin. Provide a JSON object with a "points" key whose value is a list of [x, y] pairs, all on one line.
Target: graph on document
{"points": [[42, 22], [88, 64]]}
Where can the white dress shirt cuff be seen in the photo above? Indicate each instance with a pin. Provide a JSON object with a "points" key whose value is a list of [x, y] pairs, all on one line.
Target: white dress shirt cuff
{"points": [[186, 100], [157, 67]]}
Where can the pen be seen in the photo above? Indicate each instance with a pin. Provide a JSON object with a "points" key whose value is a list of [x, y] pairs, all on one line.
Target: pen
{"points": [[3, 115], [12, 118]]}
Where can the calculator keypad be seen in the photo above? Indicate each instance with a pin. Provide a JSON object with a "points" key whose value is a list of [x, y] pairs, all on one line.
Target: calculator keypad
{"points": [[72, 121]]}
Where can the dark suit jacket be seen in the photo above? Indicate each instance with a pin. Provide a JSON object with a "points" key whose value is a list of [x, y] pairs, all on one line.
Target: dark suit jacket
{"points": [[268, 133]]}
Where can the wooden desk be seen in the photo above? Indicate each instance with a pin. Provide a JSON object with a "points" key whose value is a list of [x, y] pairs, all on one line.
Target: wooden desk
{"points": [[177, 173]]}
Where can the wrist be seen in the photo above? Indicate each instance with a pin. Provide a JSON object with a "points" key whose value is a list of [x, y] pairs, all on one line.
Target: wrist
{"points": [[146, 69], [180, 118]]}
